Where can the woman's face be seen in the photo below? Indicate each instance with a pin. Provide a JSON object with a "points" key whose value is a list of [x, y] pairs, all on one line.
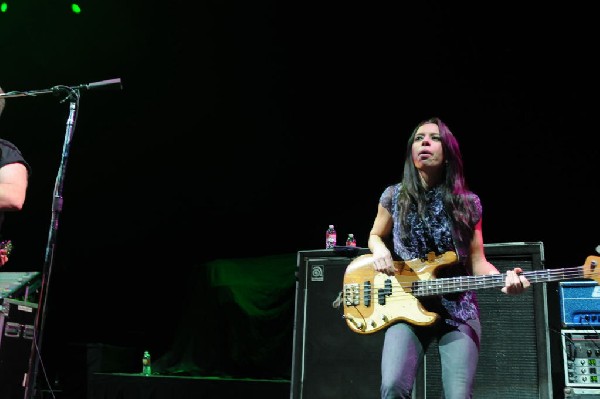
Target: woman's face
{"points": [[427, 151]]}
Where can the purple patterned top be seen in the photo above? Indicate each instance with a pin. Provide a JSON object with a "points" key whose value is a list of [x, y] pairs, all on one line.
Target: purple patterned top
{"points": [[434, 233]]}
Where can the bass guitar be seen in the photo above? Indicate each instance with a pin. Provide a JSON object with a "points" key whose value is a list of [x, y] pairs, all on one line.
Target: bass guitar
{"points": [[373, 300]]}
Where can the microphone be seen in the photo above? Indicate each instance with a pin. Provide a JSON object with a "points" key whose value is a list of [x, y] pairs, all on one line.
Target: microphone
{"points": [[109, 84]]}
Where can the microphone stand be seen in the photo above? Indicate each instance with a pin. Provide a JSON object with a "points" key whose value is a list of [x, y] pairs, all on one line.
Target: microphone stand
{"points": [[72, 94]]}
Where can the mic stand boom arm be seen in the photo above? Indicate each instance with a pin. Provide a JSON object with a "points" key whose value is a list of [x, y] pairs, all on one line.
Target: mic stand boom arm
{"points": [[109, 84]]}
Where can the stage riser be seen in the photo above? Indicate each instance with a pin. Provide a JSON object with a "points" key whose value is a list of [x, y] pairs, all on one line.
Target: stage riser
{"points": [[115, 386]]}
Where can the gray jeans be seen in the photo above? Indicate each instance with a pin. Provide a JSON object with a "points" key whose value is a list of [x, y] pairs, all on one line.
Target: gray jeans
{"points": [[405, 345]]}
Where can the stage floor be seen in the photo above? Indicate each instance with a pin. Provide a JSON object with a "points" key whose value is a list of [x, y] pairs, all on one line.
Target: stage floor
{"points": [[136, 386]]}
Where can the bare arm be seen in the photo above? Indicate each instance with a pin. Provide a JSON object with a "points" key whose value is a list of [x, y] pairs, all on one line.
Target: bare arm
{"points": [[515, 283], [382, 227], [13, 186]]}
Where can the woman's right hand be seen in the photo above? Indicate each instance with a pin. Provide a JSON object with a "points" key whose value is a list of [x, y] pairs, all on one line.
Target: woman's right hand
{"points": [[382, 260]]}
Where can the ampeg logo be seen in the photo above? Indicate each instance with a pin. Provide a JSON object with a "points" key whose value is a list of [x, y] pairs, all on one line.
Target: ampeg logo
{"points": [[317, 273]]}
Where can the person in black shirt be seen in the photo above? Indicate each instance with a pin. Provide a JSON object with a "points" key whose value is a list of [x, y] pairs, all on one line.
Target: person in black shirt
{"points": [[14, 178]]}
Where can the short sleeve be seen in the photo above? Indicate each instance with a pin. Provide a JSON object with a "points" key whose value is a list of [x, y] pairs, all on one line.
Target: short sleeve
{"points": [[11, 154], [474, 198], [387, 197]]}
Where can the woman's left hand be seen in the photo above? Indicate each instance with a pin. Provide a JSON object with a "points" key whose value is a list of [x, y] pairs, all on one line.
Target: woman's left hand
{"points": [[515, 282]]}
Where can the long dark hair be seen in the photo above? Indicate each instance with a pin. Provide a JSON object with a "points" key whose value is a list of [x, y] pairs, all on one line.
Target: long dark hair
{"points": [[455, 192]]}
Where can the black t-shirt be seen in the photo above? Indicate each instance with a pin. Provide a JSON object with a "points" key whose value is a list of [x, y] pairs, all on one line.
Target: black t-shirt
{"points": [[9, 153]]}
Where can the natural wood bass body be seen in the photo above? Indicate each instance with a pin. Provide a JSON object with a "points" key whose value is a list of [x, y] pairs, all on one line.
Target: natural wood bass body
{"points": [[373, 301]]}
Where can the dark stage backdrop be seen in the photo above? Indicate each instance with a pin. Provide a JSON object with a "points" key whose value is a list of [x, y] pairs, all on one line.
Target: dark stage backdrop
{"points": [[245, 128]]}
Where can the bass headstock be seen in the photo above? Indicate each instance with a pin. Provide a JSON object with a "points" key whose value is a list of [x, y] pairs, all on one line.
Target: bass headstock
{"points": [[591, 268]]}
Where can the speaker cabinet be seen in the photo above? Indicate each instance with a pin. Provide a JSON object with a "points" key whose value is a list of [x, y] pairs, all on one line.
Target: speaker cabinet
{"points": [[331, 361], [514, 361]]}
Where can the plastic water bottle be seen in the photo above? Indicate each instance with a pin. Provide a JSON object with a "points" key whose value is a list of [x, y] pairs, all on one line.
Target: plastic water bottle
{"points": [[330, 237], [350, 241], [146, 364]]}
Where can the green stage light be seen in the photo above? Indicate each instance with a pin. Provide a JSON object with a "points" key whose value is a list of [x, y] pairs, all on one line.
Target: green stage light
{"points": [[75, 8], [3, 6]]}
